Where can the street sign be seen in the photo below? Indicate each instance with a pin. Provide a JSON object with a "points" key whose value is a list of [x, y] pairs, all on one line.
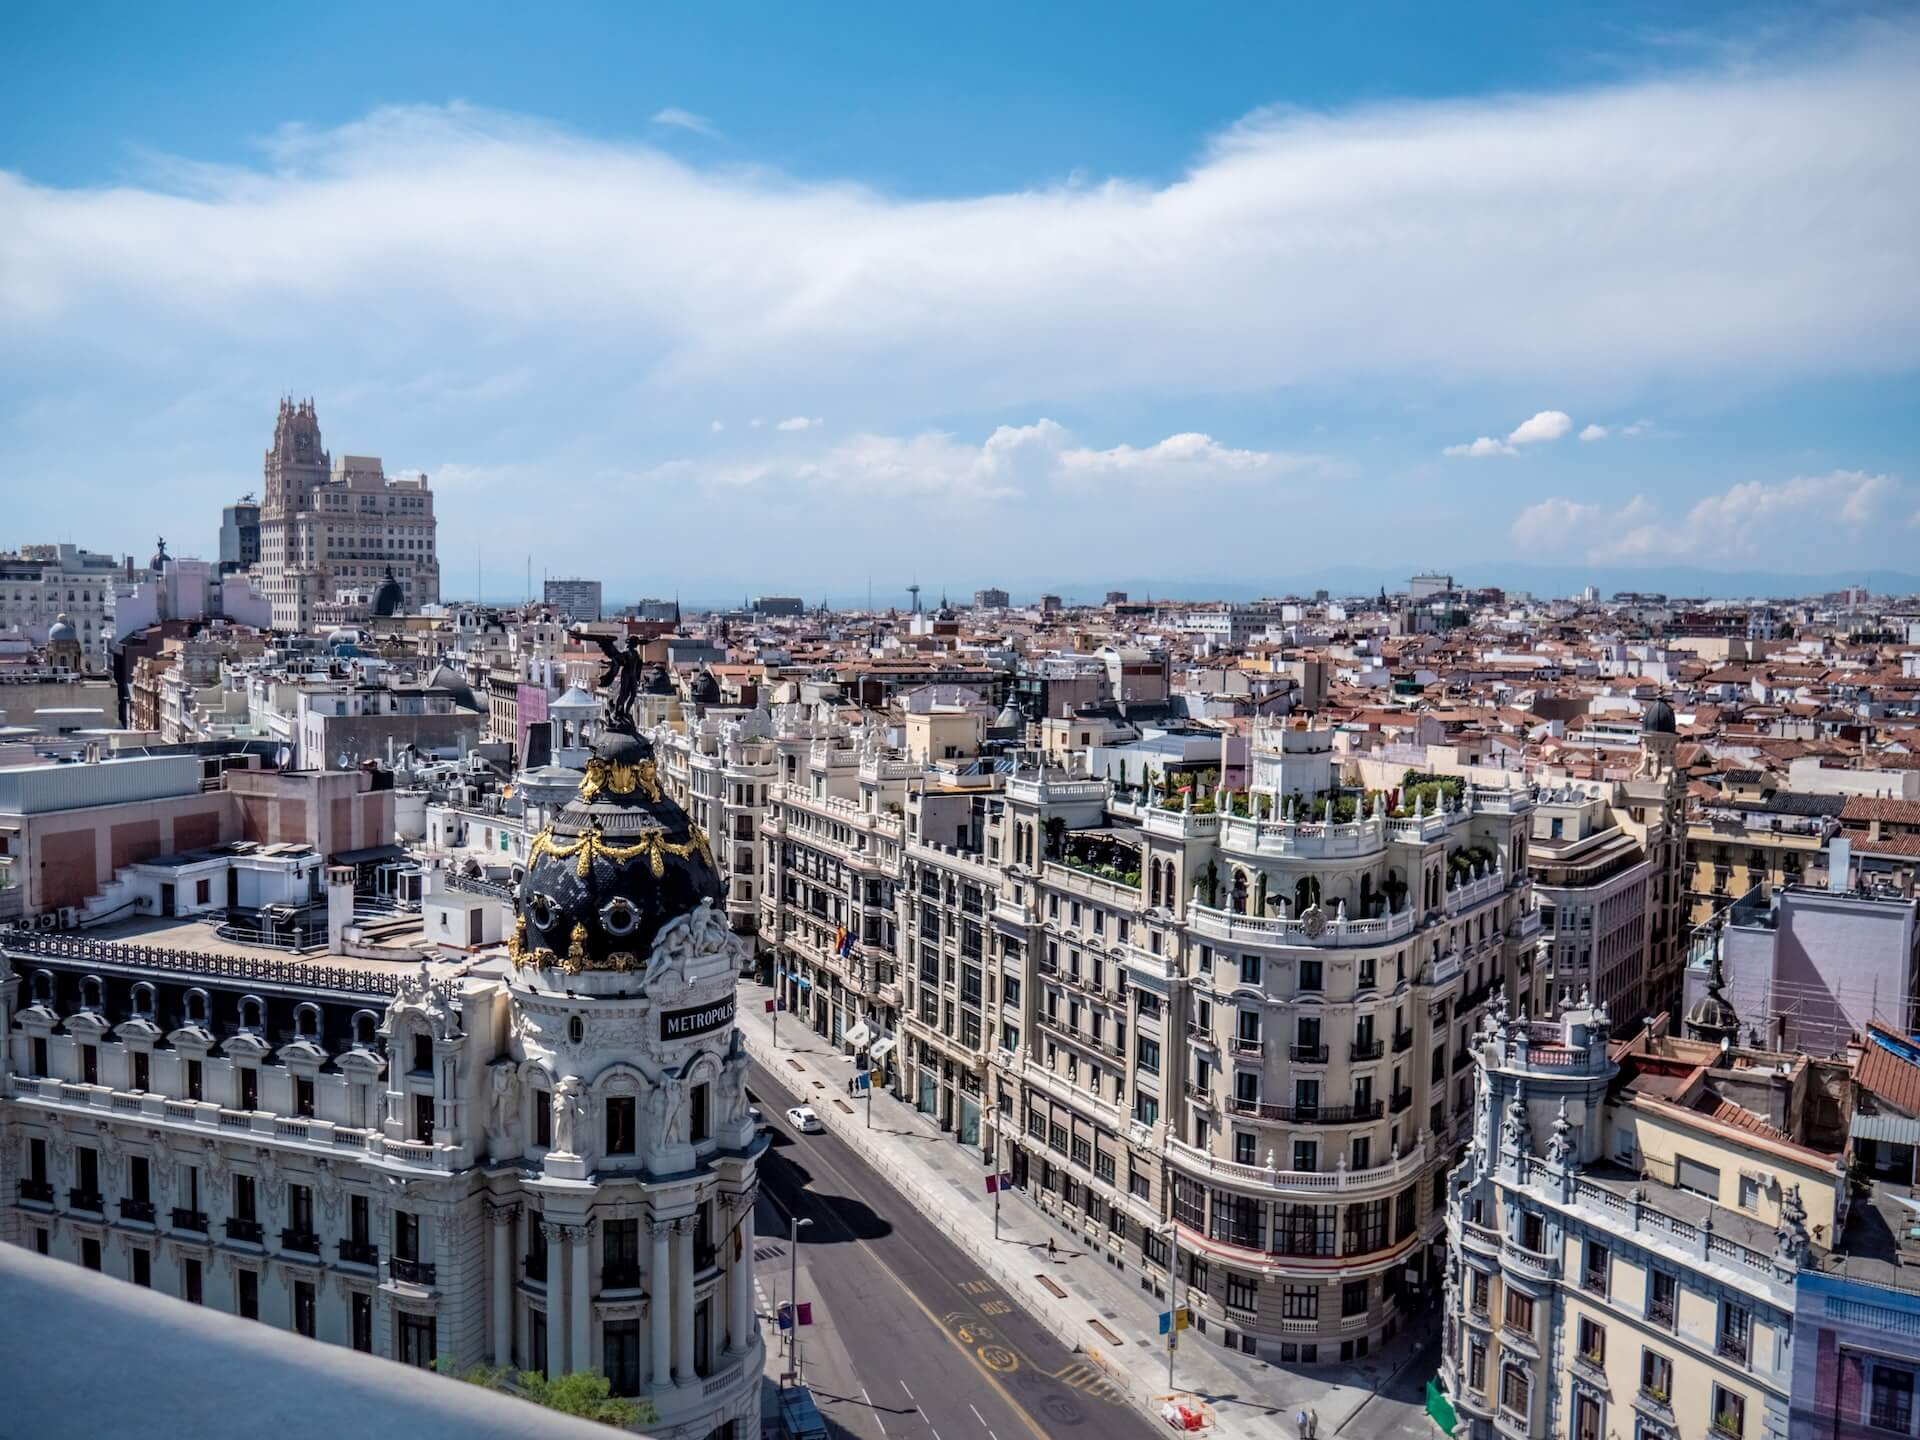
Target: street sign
{"points": [[863, 1081], [993, 1183], [786, 1315], [769, 1007], [806, 1312], [1166, 1321]]}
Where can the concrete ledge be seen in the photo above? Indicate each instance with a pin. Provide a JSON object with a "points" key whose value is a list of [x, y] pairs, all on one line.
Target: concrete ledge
{"points": [[89, 1356]]}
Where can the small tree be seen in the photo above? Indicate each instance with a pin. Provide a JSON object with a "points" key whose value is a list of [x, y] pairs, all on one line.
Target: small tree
{"points": [[585, 1393]]}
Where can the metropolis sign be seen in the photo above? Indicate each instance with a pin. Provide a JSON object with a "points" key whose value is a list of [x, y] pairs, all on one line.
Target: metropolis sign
{"points": [[684, 1024]]}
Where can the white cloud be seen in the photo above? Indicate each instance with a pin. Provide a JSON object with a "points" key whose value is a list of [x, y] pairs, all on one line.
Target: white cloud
{"points": [[799, 422], [676, 118], [1547, 425], [1752, 518], [1638, 427], [1552, 524], [1383, 241], [1015, 460], [717, 427], [1594, 432], [1479, 449]]}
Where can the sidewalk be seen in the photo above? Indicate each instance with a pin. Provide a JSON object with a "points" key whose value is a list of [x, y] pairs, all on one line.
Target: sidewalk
{"points": [[1250, 1398]]}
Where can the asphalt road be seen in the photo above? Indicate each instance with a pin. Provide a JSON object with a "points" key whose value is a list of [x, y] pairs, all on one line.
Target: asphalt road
{"points": [[934, 1347]]}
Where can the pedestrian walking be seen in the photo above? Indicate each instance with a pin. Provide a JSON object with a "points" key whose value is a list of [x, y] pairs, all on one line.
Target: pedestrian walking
{"points": [[1051, 1252]]}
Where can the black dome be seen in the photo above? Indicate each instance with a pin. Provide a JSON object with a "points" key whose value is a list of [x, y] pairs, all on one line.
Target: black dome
{"points": [[654, 681], [705, 690], [1657, 719], [615, 867]]}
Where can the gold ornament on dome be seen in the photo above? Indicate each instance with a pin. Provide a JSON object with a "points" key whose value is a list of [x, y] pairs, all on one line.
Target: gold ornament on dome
{"points": [[615, 778], [576, 952], [592, 845], [517, 941]]}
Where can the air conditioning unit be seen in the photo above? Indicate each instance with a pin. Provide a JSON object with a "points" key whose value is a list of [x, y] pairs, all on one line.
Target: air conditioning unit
{"points": [[69, 918], [49, 921]]}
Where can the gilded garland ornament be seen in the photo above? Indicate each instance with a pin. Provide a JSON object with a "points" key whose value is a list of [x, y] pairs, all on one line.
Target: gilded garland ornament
{"points": [[592, 846]]}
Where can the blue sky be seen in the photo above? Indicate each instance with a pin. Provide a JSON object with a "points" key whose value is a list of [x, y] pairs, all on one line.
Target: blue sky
{"points": [[1016, 295]]}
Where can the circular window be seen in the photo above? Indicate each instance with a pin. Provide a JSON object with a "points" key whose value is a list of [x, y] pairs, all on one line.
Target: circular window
{"points": [[619, 916], [576, 1030], [541, 910]]}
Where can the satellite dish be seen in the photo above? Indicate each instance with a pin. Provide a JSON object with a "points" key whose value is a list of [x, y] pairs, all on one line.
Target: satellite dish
{"points": [[346, 761]]}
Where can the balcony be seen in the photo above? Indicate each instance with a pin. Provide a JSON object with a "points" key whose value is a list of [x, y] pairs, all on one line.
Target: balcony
{"points": [[140, 1210], [39, 1192], [1308, 1114], [249, 1232], [1732, 1347], [304, 1241], [410, 1272], [1660, 1312], [620, 1275], [1320, 932], [185, 1219], [1303, 1054], [1402, 1041], [359, 1252], [79, 1199], [1366, 1050], [1402, 1100]]}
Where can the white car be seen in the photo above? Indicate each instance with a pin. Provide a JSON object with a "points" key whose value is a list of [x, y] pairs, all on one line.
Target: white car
{"points": [[802, 1118]]}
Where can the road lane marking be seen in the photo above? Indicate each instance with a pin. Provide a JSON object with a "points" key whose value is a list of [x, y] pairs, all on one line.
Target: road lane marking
{"points": [[910, 1394], [873, 1410], [977, 1415]]}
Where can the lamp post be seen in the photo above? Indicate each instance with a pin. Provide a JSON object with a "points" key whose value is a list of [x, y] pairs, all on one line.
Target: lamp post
{"points": [[1174, 1295], [794, 1226]]}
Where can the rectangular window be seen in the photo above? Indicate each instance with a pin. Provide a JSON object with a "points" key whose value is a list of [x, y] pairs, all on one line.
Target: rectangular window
{"points": [[1519, 1312], [1146, 1109], [363, 1323], [1662, 1290], [1310, 975], [417, 1344], [193, 1079], [423, 1119], [1516, 1391], [1477, 1367], [1656, 1376], [303, 1096], [622, 1354], [190, 1281], [90, 1253], [1586, 1416], [40, 1055], [143, 1268], [246, 1287], [1190, 1203], [1593, 1342], [1299, 1302], [620, 1124], [1595, 1274], [1243, 1292], [303, 1308], [90, 1064], [406, 1235], [1353, 1298], [1147, 1052], [1736, 1325], [1103, 1166], [1729, 1414], [542, 1120], [1700, 1179], [249, 1088], [1892, 1405]]}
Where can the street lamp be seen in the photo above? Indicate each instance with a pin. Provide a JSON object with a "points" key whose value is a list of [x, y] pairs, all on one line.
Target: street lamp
{"points": [[794, 1226], [1175, 1293]]}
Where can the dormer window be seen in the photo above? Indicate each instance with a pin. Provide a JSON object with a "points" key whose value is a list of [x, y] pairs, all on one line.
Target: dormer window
{"points": [[365, 1027], [253, 1014], [92, 994], [144, 1001], [197, 1007], [43, 988], [306, 1022]]}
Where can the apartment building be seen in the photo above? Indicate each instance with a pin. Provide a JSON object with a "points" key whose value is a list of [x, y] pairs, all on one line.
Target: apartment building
{"points": [[1629, 1229], [1591, 879], [1232, 1033]]}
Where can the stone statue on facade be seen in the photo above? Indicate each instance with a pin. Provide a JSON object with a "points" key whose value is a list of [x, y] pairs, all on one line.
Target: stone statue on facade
{"points": [[569, 1115]]}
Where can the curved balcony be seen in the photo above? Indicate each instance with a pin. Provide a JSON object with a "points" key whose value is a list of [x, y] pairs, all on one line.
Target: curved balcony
{"points": [[1217, 924], [1301, 840], [1339, 1180], [1307, 1114]]}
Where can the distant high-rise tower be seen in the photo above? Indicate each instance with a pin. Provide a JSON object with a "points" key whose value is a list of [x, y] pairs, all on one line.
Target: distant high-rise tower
{"points": [[914, 591], [326, 529]]}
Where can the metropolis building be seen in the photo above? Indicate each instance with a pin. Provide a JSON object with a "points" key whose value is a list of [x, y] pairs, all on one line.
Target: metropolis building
{"points": [[542, 1159]]}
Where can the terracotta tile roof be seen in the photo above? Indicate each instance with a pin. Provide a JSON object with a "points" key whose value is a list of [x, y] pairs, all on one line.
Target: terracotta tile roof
{"points": [[1874, 807], [1741, 1118], [1889, 1077]]}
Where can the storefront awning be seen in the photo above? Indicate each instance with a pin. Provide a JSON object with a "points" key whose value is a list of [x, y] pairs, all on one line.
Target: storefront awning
{"points": [[859, 1035]]}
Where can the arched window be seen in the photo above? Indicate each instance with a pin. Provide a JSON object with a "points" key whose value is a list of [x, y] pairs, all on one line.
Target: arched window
{"points": [[198, 1006], [366, 1027], [306, 1021], [43, 988], [1306, 894], [576, 1030], [1239, 902], [145, 1000], [92, 994], [253, 1013]]}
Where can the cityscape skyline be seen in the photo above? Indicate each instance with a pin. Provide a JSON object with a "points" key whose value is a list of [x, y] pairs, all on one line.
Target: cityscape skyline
{"points": [[1273, 298]]}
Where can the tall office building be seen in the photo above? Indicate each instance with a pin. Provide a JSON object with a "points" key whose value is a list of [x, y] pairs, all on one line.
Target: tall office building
{"points": [[240, 535], [328, 527], [578, 600]]}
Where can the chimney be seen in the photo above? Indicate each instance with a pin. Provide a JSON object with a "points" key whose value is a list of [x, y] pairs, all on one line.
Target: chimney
{"points": [[339, 907]]}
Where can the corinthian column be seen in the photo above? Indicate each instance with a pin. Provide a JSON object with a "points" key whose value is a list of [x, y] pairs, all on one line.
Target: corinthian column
{"points": [[683, 1302], [740, 1287], [580, 1299], [659, 1308], [502, 1280], [556, 1238]]}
